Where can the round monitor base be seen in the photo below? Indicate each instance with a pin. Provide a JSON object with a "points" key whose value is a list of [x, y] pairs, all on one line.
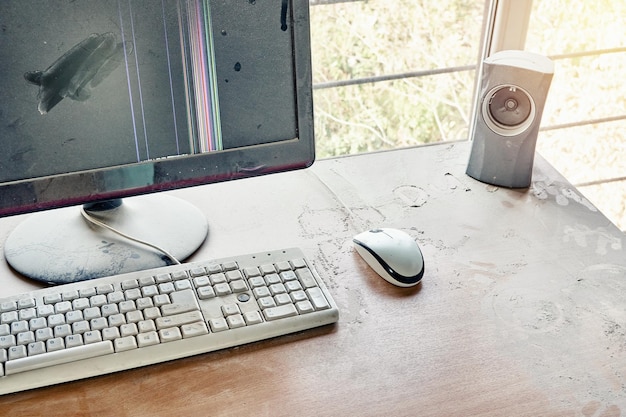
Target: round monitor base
{"points": [[60, 246]]}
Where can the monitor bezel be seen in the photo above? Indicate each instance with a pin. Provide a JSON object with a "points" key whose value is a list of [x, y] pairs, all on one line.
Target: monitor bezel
{"points": [[89, 186]]}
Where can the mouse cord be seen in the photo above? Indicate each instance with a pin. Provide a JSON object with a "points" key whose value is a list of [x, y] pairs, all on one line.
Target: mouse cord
{"points": [[91, 219]]}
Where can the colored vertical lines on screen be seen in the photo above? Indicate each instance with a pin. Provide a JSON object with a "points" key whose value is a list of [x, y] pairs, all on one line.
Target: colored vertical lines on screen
{"points": [[130, 88], [141, 103], [169, 73], [200, 76]]}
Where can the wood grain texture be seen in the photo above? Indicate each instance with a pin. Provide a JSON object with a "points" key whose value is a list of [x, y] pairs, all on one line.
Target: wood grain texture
{"points": [[521, 311]]}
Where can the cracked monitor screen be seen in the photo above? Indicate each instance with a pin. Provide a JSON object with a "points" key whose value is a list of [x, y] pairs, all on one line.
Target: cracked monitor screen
{"points": [[111, 98]]}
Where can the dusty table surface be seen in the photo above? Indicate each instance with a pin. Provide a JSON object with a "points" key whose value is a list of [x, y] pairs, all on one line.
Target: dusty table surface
{"points": [[521, 311]]}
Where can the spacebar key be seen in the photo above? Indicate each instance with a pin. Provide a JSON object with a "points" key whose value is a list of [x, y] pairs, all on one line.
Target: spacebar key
{"points": [[58, 357]]}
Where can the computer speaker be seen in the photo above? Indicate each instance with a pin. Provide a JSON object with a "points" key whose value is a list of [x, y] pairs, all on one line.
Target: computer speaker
{"points": [[512, 93]]}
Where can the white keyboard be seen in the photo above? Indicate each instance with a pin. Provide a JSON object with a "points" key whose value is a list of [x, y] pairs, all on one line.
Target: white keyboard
{"points": [[90, 328]]}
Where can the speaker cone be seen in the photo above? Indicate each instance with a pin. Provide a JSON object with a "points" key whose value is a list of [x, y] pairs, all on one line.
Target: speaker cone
{"points": [[509, 106], [508, 110]]}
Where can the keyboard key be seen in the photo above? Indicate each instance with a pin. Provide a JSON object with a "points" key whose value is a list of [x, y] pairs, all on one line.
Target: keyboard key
{"points": [[146, 326], [170, 334], [182, 302], [99, 323], [124, 343], [126, 306], [230, 309], [204, 293], [288, 276], [233, 275], [73, 316], [176, 275], [26, 303], [130, 283], [283, 266], [115, 297], [9, 317], [80, 303], [267, 269], [306, 278], [109, 310], [56, 319], [43, 334], [304, 307], [298, 263], [62, 330], [52, 298], [148, 339], [19, 326], [36, 348], [117, 320], [178, 319], [229, 266], [201, 281], [213, 268], [54, 344], [16, 352], [73, 340], [317, 298], [275, 313], [25, 338], [217, 279], [183, 284], [218, 324], [80, 327], [272, 279], [256, 282], [197, 272], [252, 272], [238, 286], [222, 289], [45, 310], [110, 333], [133, 294], [144, 302], [58, 357], [282, 299], [134, 316], [252, 317], [266, 302], [235, 321], [7, 341], [70, 295], [27, 314], [87, 292], [8, 306], [161, 278], [129, 329], [193, 329], [93, 336], [98, 300]]}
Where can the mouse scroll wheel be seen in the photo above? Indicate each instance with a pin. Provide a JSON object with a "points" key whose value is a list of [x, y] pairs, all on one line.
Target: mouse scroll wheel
{"points": [[376, 230]]}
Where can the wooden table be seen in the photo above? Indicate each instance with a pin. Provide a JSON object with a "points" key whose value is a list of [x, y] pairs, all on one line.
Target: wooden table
{"points": [[521, 312]]}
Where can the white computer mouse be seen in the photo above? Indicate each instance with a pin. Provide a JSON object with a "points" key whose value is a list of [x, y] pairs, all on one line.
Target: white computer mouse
{"points": [[393, 254]]}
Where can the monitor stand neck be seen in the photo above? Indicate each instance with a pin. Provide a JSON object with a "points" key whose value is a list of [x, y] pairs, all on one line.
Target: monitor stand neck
{"points": [[60, 246]]}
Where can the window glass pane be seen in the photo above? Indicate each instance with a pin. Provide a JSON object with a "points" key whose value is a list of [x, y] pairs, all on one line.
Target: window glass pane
{"points": [[408, 66], [584, 122]]}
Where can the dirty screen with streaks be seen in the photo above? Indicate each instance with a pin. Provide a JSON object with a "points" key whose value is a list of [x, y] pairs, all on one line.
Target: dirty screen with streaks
{"points": [[100, 83]]}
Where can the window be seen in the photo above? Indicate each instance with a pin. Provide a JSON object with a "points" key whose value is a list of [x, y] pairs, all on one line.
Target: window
{"points": [[396, 73], [392, 74]]}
